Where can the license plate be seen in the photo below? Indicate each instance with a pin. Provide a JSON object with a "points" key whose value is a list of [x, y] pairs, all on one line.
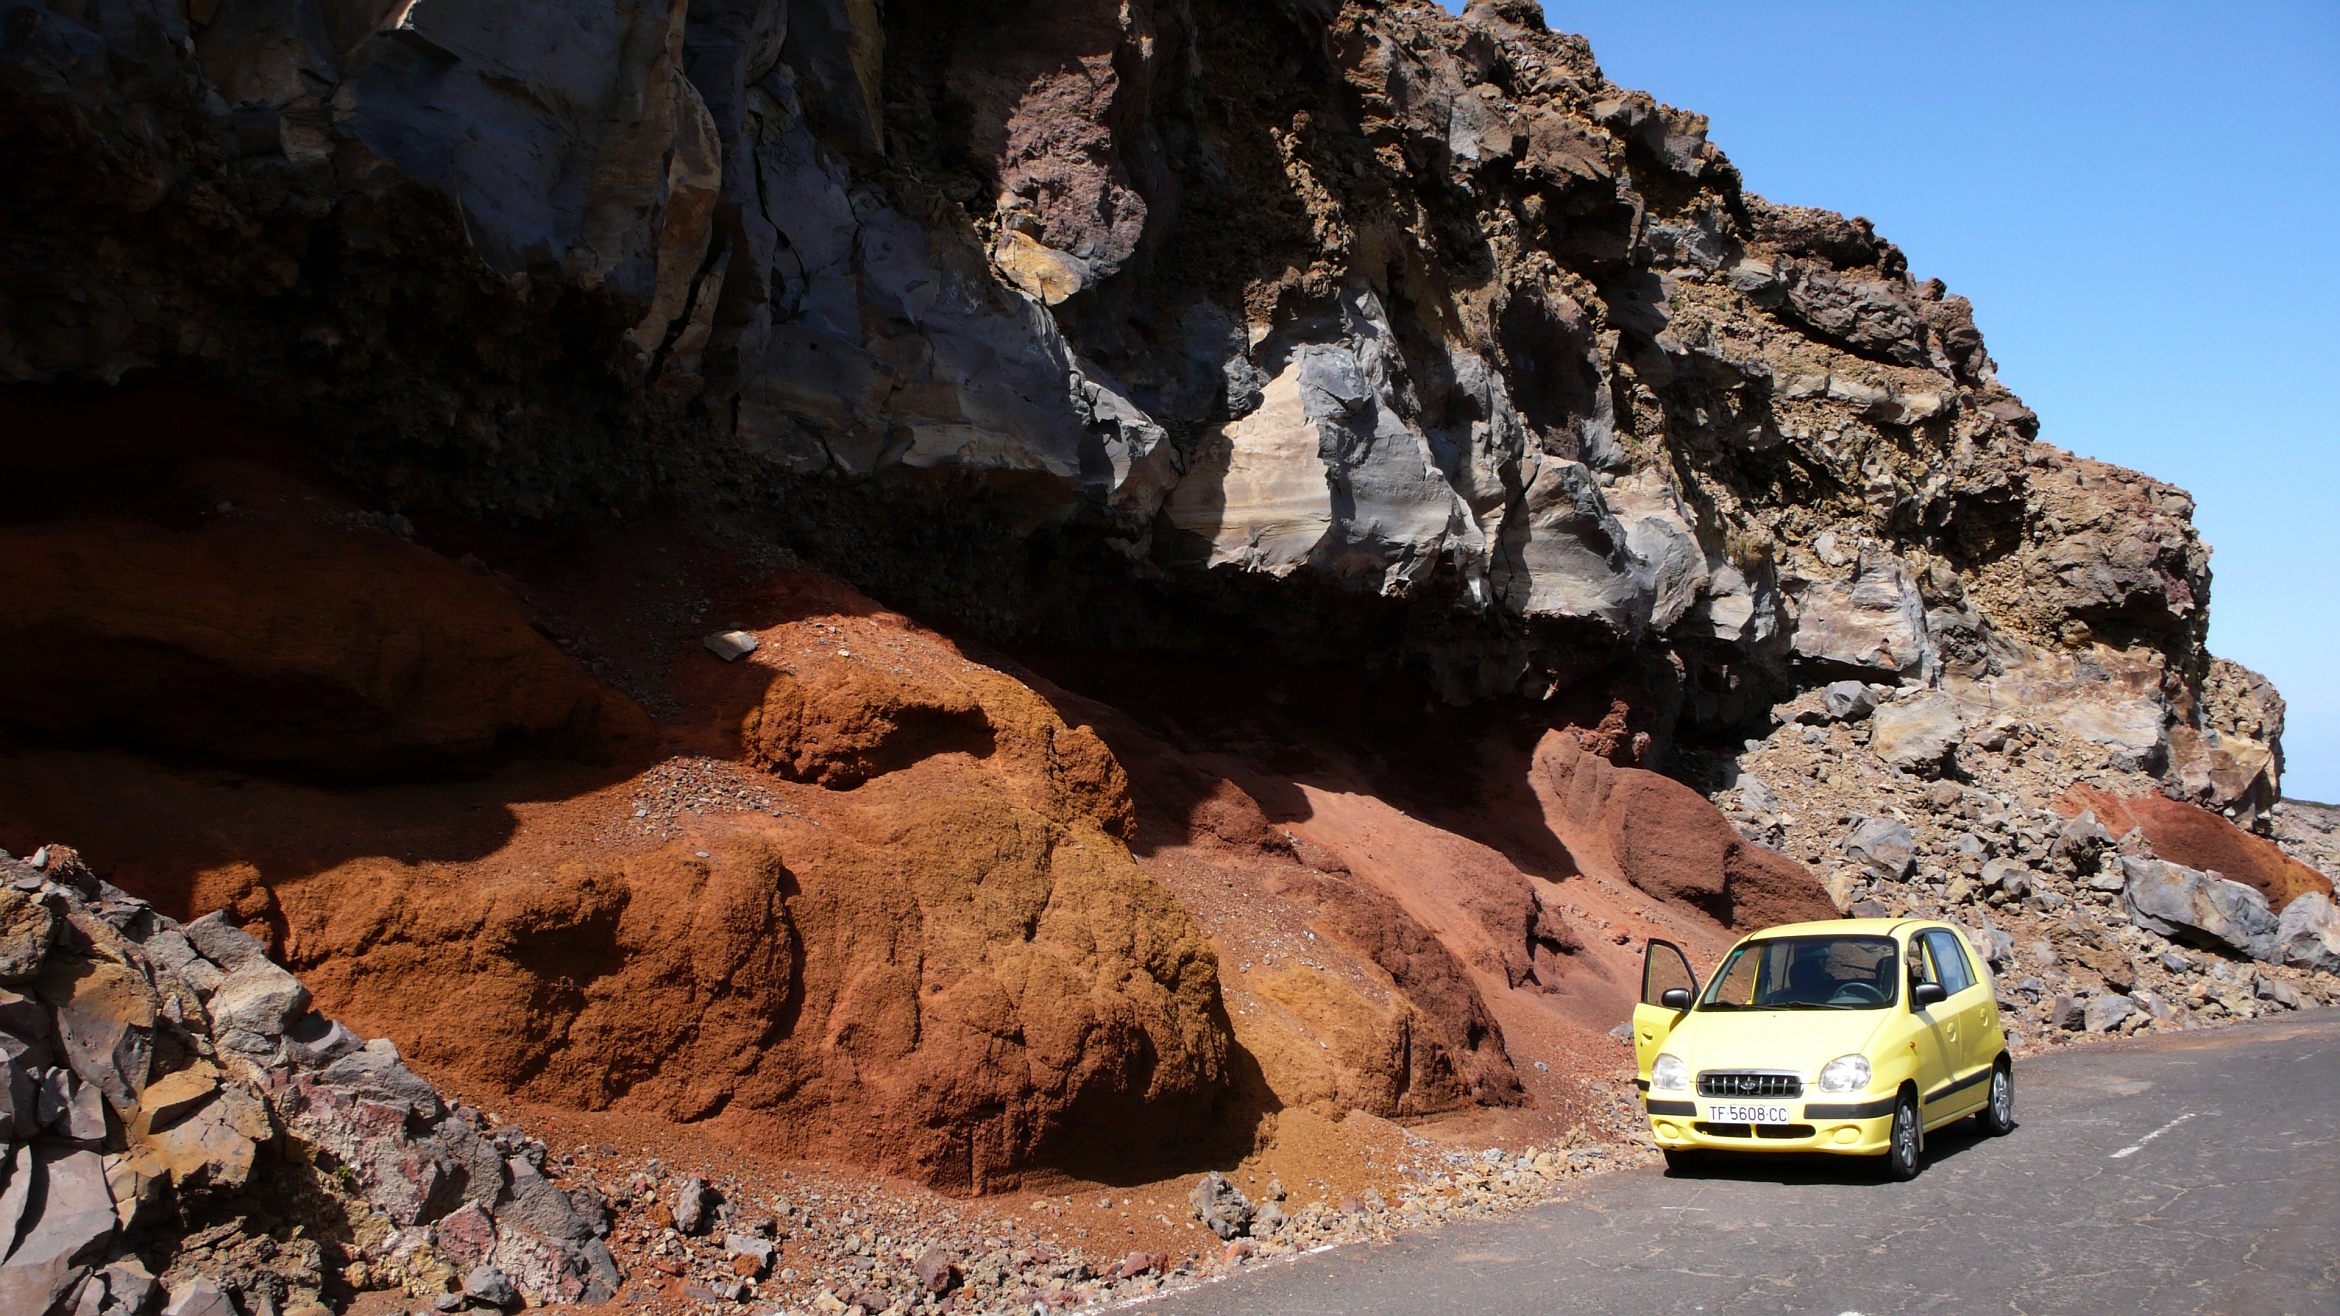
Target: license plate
{"points": [[1745, 1112]]}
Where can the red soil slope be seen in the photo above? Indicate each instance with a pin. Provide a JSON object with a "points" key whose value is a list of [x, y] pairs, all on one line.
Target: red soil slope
{"points": [[2191, 835], [864, 895]]}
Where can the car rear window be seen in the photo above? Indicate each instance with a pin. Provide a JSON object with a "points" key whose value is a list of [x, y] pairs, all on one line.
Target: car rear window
{"points": [[1807, 973]]}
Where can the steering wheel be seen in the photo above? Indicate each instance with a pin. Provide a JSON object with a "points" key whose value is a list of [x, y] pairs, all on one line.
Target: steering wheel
{"points": [[1858, 993]]}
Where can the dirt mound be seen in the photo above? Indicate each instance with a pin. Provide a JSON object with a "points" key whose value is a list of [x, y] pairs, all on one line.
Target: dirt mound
{"points": [[1671, 842], [2191, 835]]}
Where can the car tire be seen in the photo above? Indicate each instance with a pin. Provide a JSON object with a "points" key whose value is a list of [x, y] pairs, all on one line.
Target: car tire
{"points": [[1997, 1116], [1905, 1145], [1682, 1160]]}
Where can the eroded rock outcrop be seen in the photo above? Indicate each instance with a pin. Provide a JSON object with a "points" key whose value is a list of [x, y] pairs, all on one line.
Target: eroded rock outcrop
{"points": [[183, 1130], [1297, 318]]}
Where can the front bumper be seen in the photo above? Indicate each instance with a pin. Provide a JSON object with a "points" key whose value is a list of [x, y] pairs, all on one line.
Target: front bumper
{"points": [[1849, 1126]]}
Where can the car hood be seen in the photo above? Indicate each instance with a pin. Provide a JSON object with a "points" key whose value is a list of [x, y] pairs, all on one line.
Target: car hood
{"points": [[1798, 1040]]}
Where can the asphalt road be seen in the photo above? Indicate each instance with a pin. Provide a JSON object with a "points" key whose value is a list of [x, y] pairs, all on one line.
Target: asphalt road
{"points": [[2195, 1172]]}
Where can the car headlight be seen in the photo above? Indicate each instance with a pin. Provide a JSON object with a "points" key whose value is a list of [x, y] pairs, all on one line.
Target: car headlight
{"points": [[1844, 1074], [1669, 1074]]}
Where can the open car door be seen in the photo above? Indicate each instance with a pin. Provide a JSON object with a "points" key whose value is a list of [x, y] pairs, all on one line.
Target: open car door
{"points": [[1664, 968]]}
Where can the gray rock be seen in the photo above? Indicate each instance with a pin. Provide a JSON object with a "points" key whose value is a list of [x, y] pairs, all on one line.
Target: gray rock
{"points": [[531, 1202], [691, 1200], [2308, 933], [254, 1005], [70, 1109], [223, 943], [2105, 1013], [1883, 846], [1850, 701], [375, 1073], [2007, 877], [2082, 841], [488, 1284], [748, 1245], [16, 1191], [2280, 992], [67, 1225], [2066, 1013], [2176, 901], [1221, 1206], [199, 1297], [1876, 620], [1917, 734]]}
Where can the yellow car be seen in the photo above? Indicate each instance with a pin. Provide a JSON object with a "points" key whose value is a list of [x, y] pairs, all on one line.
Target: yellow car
{"points": [[1856, 1036]]}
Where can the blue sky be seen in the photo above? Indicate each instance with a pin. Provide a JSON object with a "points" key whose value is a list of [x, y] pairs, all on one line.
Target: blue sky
{"points": [[2142, 202]]}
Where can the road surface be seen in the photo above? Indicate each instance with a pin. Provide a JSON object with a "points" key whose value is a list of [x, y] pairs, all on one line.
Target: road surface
{"points": [[2193, 1172]]}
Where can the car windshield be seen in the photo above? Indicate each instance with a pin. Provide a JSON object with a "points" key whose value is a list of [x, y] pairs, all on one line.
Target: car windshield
{"points": [[1806, 973]]}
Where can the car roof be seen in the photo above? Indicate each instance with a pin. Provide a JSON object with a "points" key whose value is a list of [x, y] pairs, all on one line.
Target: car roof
{"points": [[1840, 927]]}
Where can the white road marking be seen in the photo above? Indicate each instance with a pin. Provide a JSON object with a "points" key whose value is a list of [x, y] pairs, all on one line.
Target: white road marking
{"points": [[2139, 1145]]}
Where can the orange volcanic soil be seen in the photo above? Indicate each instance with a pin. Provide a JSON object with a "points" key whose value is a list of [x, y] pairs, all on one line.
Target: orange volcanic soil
{"points": [[867, 895]]}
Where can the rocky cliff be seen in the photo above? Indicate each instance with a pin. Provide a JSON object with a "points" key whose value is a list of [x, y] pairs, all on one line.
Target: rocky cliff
{"points": [[1322, 465], [1162, 325]]}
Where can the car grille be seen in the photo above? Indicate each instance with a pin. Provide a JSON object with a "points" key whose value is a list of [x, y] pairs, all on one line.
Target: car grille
{"points": [[1744, 1083], [1782, 1131]]}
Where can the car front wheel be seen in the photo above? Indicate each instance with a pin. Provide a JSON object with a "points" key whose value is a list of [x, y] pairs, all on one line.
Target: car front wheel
{"points": [[1998, 1114], [1902, 1148]]}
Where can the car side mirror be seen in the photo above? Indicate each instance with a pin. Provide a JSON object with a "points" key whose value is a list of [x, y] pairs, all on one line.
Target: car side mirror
{"points": [[1925, 994], [1675, 998]]}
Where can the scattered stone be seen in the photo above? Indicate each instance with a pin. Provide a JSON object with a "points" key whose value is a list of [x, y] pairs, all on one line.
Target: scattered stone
{"points": [[731, 646], [2105, 1013], [936, 1272], [691, 1200], [1221, 1206], [1849, 701], [2276, 990], [1883, 846], [1917, 734], [487, 1284]]}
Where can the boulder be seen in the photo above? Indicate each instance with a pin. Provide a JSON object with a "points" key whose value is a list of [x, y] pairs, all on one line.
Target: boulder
{"points": [[253, 1006], [2308, 933], [2006, 877], [2275, 989], [1917, 734], [1850, 701], [1883, 846], [2105, 1013], [2204, 908]]}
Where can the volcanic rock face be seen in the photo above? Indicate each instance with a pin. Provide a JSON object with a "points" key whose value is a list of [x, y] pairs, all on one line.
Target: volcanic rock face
{"points": [[1388, 442], [179, 1119]]}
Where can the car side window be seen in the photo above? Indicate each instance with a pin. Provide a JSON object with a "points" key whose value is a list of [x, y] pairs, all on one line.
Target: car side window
{"points": [[1921, 962], [1949, 961]]}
